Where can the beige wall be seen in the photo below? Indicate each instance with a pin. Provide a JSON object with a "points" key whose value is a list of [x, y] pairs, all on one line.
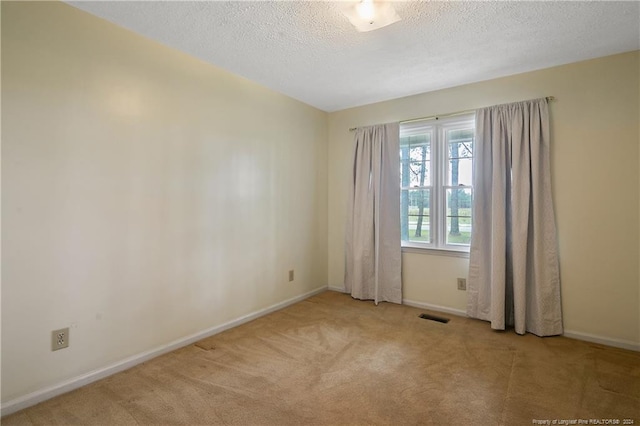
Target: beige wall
{"points": [[595, 148], [146, 195]]}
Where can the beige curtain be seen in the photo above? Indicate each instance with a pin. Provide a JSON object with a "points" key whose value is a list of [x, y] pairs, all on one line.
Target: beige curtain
{"points": [[513, 267], [373, 254]]}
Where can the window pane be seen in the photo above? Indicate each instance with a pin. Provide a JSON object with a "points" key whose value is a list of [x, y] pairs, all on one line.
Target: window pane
{"points": [[460, 157], [415, 215], [424, 137], [415, 161], [459, 216], [462, 137], [416, 174], [460, 172]]}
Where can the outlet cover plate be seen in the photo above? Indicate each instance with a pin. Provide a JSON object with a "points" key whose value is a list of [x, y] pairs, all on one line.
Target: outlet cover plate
{"points": [[462, 283], [60, 339]]}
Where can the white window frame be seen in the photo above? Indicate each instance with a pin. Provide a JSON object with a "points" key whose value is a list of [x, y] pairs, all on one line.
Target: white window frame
{"points": [[439, 168]]}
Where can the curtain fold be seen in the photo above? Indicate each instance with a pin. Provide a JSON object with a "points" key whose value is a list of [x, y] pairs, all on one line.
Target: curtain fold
{"points": [[514, 277], [373, 253]]}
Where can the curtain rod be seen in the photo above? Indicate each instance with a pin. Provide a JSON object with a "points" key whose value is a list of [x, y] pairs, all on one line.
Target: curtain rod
{"points": [[451, 114]]}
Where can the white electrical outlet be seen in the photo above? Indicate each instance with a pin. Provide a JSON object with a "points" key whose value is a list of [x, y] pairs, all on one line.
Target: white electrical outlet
{"points": [[462, 283], [60, 339]]}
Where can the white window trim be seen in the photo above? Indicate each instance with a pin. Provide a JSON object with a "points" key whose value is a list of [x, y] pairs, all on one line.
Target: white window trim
{"points": [[438, 223], [408, 247]]}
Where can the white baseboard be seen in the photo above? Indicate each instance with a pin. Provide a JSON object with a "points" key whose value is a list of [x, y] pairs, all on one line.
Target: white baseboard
{"points": [[452, 311], [616, 343], [58, 389], [415, 304], [607, 341]]}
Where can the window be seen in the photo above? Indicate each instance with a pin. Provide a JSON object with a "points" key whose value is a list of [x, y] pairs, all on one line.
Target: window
{"points": [[436, 169]]}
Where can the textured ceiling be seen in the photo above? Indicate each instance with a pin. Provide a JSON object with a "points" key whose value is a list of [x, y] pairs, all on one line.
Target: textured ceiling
{"points": [[309, 51]]}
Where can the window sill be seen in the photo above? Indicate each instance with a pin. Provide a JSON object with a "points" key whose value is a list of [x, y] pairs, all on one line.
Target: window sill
{"points": [[436, 252]]}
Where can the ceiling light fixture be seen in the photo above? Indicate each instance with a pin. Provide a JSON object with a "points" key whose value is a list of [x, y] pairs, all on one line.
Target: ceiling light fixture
{"points": [[368, 15]]}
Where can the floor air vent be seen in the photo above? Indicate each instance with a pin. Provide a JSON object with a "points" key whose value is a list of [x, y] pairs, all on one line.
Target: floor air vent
{"points": [[435, 318]]}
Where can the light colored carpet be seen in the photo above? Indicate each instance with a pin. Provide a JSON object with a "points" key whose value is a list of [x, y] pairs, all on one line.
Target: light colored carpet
{"points": [[332, 360]]}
